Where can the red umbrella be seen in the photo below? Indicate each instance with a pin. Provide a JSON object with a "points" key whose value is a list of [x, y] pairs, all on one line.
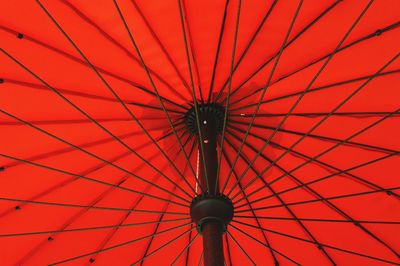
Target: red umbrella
{"points": [[190, 132]]}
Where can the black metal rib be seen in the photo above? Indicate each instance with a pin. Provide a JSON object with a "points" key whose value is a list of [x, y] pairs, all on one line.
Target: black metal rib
{"points": [[263, 93], [82, 62], [308, 241], [221, 33], [389, 191], [322, 164], [92, 119], [228, 96], [119, 45], [192, 52], [299, 34], [260, 242], [188, 251], [90, 228], [320, 137], [314, 114], [119, 99], [118, 245], [330, 176], [196, 108], [247, 48], [251, 208], [369, 36], [201, 258], [310, 84], [320, 88], [269, 187], [320, 219], [241, 248], [185, 249], [82, 150], [163, 246], [329, 204], [67, 205], [109, 237], [335, 146], [105, 183], [157, 39], [136, 48]]}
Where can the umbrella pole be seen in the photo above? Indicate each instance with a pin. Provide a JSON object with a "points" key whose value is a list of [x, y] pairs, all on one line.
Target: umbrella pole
{"points": [[210, 211], [212, 230]]}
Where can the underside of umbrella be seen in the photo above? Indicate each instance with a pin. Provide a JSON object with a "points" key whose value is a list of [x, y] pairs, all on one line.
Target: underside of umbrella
{"points": [[215, 132]]}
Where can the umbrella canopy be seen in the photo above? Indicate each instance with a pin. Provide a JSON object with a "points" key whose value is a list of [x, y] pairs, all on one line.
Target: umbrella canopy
{"points": [[131, 130]]}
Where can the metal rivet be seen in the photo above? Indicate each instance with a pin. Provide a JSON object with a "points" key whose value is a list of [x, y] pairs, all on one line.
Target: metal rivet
{"points": [[50, 238], [91, 260], [1, 81], [2, 169], [17, 208], [205, 141], [242, 114], [20, 36], [205, 122]]}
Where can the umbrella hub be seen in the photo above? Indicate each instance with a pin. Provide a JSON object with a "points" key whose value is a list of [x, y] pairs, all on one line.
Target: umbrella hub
{"points": [[208, 113], [209, 208]]}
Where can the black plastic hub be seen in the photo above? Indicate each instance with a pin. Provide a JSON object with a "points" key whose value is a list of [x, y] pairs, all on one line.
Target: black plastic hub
{"points": [[208, 113], [207, 208]]}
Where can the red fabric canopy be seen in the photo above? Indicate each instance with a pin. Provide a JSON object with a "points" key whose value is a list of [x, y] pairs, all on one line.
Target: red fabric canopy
{"points": [[93, 172]]}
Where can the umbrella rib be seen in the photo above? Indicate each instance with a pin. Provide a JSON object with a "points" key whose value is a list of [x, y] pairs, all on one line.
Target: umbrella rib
{"points": [[329, 204], [90, 118], [192, 52], [118, 245], [389, 191], [186, 248], [196, 108], [320, 88], [119, 45], [251, 208], [332, 175], [90, 207], [369, 36], [320, 137], [320, 219], [109, 237], [162, 215], [260, 242], [291, 212], [321, 163], [136, 48], [201, 258], [262, 95], [90, 228], [241, 248], [102, 182], [157, 39], [299, 34], [82, 62], [308, 87], [228, 96], [81, 94], [163, 246], [313, 114], [82, 150], [335, 146], [247, 48], [118, 98], [76, 216], [311, 242], [221, 33]]}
